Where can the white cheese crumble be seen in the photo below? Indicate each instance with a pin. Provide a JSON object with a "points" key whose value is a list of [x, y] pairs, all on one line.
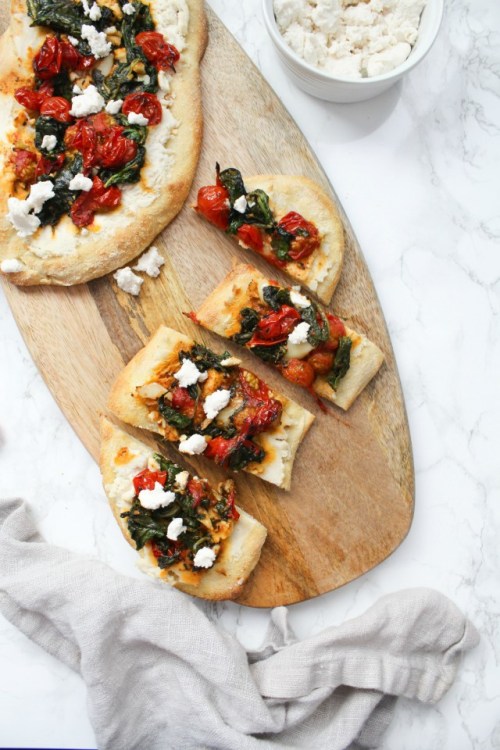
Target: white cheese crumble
{"points": [[175, 528], [89, 102], [128, 9], [151, 261], [99, 45], [193, 445], [230, 362], [240, 204], [113, 106], [181, 480], [164, 81], [11, 265], [80, 182], [73, 40], [94, 12], [349, 38], [135, 118], [188, 374], [298, 300], [204, 558], [145, 79], [156, 498], [40, 192], [216, 401], [76, 89], [49, 142], [299, 333], [128, 281]]}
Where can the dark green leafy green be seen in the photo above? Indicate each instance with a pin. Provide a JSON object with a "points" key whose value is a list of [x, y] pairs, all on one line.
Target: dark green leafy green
{"points": [[66, 16], [246, 453], [132, 25], [48, 126], [249, 319], [60, 204], [272, 354], [205, 358], [258, 210], [341, 363], [63, 85], [276, 296], [280, 243], [232, 180], [131, 172], [172, 417], [319, 330], [120, 82], [168, 466]]}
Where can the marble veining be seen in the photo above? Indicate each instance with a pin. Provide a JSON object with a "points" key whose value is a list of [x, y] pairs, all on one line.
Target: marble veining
{"points": [[417, 172]]}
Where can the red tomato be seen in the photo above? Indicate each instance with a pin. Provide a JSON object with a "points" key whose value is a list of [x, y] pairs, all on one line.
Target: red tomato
{"points": [[337, 329], [82, 136], [143, 104], [196, 488], [182, 401], [213, 205], [299, 372], [147, 479], [219, 449], [254, 395], [116, 150], [57, 107], [73, 60], [24, 163], [98, 198], [48, 60], [251, 237], [264, 416], [306, 236], [275, 327], [46, 166], [32, 99], [102, 122], [321, 362], [158, 51]]}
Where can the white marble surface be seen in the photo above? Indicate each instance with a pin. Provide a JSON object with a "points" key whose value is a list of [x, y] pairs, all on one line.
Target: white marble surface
{"points": [[417, 172]]}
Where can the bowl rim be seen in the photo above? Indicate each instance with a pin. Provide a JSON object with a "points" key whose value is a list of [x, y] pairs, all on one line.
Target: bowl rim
{"points": [[408, 64]]}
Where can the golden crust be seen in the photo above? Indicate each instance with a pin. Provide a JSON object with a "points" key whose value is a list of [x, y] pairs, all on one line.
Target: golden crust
{"points": [[321, 271], [112, 242], [281, 444], [220, 314], [241, 551]]}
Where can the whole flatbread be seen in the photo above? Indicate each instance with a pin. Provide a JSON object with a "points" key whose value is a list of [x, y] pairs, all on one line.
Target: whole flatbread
{"points": [[64, 255], [239, 555]]}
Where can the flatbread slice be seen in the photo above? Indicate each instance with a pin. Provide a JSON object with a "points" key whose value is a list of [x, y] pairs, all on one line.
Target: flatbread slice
{"points": [[237, 540], [65, 253], [288, 196], [247, 426], [243, 288]]}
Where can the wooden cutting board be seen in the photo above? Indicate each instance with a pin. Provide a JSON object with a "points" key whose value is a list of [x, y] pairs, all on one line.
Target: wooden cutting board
{"points": [[351, 501]]}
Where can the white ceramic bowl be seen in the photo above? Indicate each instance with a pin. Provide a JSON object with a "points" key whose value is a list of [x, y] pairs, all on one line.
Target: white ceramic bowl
{"points": [[325, 86]]}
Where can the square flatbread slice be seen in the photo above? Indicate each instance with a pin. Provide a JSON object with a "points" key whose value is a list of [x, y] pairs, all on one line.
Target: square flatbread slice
{"points": [[122, 458], [242, 288], [145, 388]]}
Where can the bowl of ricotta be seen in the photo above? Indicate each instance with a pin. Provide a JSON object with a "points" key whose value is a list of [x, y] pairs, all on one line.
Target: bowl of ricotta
{"points": [[351, 50]]}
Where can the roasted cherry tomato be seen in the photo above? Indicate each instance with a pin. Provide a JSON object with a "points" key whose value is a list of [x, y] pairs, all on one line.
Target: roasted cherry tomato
{"points": [[213, 205], [56, 107], [98, 198], [254, 395], [83, 137], [48, 60], [147, 479], [251, 237], [158, 51], [47, 166], [102, 122], [306, 236], [182, 401], [73, 60], [337, 329], [143, 104], [299, 372], [116, 150], [32, 99], [264, 416], [24, 163], [321, 362], [219, 449], [275, 327], [196, 488]]}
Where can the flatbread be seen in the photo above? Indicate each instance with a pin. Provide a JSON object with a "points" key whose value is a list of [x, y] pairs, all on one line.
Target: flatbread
{"points": [[239, 554], [64, 255], [160, 354], [220, 313]]}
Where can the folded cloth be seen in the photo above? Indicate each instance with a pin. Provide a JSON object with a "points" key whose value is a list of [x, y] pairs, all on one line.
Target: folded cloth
{"points": [[161, 676]]}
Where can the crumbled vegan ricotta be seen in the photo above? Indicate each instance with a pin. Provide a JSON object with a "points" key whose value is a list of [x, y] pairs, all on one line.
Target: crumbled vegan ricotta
{"points": [[156, 498], [73, 40], [80, 182], [193, 445], [11, 265], [204, 558], [135, 118], [99, 45], [19, 213], [150, 262], [114, 106], [175, 528], [350, 38], [89, 102], [49, 142], [128, 281], [216, 401], [128, 9], [181, 480], [298, 300], [230, 362], [240, 204], [299, 333], [188, 374]]}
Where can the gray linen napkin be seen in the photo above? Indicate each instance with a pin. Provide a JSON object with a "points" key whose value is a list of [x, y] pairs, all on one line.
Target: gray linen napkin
{"points": [[161, 676]]}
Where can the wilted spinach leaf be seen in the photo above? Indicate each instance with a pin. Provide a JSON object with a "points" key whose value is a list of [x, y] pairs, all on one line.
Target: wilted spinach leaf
{"points": [[258, 210], [232, 180], [48, 126], [60, 204], [131, 172], [319, 330], [173, 417], [66, 16], [132, 25], [276, 296], [341, 363], [249, 320], [205, 358], [272, 354]]}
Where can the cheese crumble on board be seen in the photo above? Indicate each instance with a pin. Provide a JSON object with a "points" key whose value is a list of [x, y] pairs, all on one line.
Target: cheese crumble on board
{"points": [[350, 38]]}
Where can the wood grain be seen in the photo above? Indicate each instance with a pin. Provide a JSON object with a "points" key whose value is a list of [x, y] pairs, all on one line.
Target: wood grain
{"points": [[351, 501]]}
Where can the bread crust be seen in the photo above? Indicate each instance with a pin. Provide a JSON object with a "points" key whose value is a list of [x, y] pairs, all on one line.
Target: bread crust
{"points": [[238, 557], [220, 314], [117, 237], [160, 353]]}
